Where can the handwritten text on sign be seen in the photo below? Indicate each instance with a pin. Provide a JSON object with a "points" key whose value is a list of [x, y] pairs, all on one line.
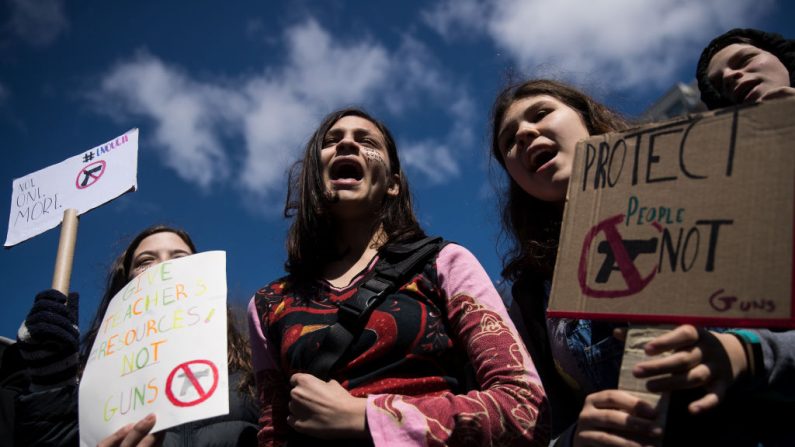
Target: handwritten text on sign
{"points": [[687, 221], [161, 348], [83, 182]]}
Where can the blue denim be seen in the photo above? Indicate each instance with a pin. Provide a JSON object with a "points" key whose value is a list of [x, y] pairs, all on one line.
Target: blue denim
{"points": [[585, 352]]}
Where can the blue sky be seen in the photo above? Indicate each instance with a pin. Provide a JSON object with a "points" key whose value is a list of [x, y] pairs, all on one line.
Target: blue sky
{"points": [[225, 94]]}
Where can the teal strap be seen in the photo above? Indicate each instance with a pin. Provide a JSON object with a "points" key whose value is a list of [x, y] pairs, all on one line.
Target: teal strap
{"points": [[747, 335], [752, 345]]}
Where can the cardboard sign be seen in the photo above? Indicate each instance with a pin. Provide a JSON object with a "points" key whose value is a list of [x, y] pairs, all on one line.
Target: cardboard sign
{"points": [[83, 182], [161, 349], [683, 221]]}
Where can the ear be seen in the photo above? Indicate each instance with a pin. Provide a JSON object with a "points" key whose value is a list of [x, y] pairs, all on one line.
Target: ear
{"points": [[394, 188]]}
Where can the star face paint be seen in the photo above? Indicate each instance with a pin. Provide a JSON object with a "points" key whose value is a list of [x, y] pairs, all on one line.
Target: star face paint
{"points": [[356, 168], [372, 156]]}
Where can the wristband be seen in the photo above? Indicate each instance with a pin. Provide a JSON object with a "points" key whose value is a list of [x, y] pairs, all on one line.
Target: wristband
{"points": [[752, 346]]}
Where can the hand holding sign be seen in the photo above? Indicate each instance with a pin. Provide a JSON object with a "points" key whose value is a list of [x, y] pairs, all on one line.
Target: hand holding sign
{"points": [[607, 413], [664, 224], [700, 358], [135, 435], [41, 200], [48, 340], [689, 221]]}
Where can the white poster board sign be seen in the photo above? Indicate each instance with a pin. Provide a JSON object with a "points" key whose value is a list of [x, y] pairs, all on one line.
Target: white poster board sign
{"points": [[83, 182], [161, 349]]}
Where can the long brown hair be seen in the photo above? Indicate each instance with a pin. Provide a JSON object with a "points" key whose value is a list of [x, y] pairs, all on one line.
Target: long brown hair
{"points": [[533, 225], [310, 240], [238, 354]]}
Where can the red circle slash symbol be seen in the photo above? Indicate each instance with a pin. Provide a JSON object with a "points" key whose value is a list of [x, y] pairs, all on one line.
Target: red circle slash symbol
{"points": [[190, 373], [620, 255], [90, 174]]}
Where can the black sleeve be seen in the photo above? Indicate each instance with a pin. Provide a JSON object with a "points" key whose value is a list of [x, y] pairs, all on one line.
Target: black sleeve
{"points": [[47, 418]]}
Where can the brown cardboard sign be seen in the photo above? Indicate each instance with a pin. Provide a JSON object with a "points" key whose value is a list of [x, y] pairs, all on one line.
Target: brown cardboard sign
{"points": [[683, 221]]}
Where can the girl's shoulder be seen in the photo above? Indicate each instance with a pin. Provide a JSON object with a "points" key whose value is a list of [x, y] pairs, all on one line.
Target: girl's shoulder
{"points": [[276, 289], [456, 256]]}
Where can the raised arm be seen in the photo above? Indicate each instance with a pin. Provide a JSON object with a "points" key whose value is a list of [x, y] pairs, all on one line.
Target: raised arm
{"points": [[48, 342]]}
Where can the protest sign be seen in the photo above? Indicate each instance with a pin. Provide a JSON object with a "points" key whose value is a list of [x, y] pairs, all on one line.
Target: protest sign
{"points": [[82, 182], [684, 221], [161, 349]]}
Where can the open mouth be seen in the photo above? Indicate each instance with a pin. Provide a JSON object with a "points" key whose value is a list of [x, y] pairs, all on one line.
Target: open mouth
{"points": [[346, 170], [743, 92], [540, 158]]}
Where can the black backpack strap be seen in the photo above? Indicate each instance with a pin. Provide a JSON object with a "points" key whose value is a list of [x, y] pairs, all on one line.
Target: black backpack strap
{"points": [[397, 262]]}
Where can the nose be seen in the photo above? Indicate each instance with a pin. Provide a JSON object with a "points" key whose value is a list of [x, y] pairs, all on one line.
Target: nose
{"points": [[526, 133], [730, 78], [347, 145]]}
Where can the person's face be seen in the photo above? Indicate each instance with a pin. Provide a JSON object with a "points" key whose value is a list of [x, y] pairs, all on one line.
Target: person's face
{"points": [[536, 138], [356, 167], [157, 248], [743, 73]]}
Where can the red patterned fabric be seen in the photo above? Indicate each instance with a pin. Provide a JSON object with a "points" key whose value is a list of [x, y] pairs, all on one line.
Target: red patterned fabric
{"points": [[413, 359]]}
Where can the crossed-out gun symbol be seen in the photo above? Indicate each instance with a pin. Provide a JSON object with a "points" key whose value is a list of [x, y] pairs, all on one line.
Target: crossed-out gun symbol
{"points": [[90, 174]]}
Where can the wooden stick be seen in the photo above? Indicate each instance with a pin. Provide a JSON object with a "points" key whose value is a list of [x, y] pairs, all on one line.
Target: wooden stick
{"points": [[66, 252], [637, 336]]}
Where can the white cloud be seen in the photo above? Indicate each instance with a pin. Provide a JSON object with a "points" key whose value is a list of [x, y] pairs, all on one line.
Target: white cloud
{"points": [[332, 72], [623, 43], [186, 114], [283, 107], [433, 160], [447, 16], [274, 129], [37, 22], [422, 80], [275, 111]]}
